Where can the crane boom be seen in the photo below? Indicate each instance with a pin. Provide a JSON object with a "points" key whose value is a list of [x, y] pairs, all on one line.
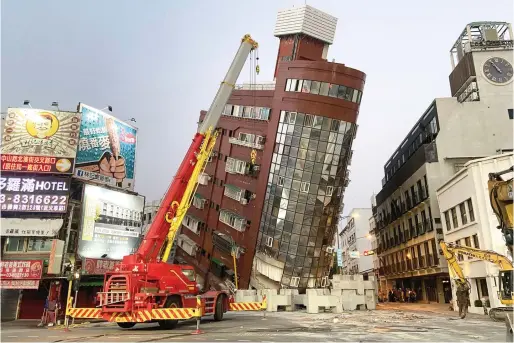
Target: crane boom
{"points": [[159, 230]]}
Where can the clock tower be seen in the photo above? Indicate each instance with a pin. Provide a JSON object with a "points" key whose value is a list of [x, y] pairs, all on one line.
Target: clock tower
{"points": [[482, 63]]}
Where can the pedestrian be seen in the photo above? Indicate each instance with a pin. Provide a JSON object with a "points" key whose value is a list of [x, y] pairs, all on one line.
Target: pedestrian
{"points": [[44, 317], [52, 307], [462, 297]]}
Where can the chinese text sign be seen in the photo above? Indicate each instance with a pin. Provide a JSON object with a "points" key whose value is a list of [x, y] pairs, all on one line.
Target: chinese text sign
{"points": [[106, 149], [34, 193]]}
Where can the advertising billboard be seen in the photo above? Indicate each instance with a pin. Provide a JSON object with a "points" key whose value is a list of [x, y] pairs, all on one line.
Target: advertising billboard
{"points": [[15, 270], [107, 149], [35, 193], [94, 266], [111, 223], [40, 141]]}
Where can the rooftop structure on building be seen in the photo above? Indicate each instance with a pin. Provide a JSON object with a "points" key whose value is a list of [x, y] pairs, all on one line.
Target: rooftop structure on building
{"points": [[475, 123], [273, 189]]}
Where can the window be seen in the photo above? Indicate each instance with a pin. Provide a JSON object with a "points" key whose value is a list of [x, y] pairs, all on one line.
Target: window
{"points": [[341, 91], [471, 212], [315, 85], [333, 90], [241, 167], [447, 220], [280, 181], [324, 89], [454, 217], [309, 120], [290, 118], [305, 186], [15, 244], [269, 241], [334, 125], [295, 281], [432, 126], [330, 191], [475, 241], [463, 215], [39, 244], [288, 85], [306, 87], [511, 113]]}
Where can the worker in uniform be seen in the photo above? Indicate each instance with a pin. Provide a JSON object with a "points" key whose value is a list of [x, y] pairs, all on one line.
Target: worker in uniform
{"points": [[462, 298]]}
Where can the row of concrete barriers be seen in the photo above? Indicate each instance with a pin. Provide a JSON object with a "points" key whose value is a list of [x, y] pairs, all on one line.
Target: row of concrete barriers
{"points": [[346, 293]]}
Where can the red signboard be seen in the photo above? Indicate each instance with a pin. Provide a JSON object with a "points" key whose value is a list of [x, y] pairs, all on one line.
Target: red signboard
{"points": [[19, 284], [36, 164], [93, 266], [24, 270]]}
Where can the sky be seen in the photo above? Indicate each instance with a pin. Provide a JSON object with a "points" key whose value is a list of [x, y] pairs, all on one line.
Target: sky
{"points": [[161, 62]]}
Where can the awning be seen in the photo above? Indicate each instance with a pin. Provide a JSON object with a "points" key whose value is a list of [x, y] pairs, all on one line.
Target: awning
{"points": [[232, 187], [217, 261], [188, 240], [30, 227], [94, 283]]}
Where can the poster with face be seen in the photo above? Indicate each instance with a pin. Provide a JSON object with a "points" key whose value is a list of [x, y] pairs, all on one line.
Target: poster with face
{"points": [[40, 141], [106, 149]]}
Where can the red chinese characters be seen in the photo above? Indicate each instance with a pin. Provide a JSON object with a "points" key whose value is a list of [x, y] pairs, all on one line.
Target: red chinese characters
{"points": [[36, 164], [94, 266], [27, 270]]}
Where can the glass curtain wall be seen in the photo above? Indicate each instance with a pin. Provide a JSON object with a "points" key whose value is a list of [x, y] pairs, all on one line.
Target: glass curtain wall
{"points": [[304, 195]]}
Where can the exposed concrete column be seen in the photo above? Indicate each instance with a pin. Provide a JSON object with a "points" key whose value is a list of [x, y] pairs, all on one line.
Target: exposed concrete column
{"points": [[440, 290]]}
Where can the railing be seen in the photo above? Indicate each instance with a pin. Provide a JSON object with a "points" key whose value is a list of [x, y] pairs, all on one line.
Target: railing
{"points": [[255, 145], [415, 263], [428, 225], [233, 193], [422, 262], [259, 87]]}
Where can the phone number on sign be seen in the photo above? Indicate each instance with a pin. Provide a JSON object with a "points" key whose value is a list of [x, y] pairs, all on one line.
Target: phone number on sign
{"points": [[33, 199]]}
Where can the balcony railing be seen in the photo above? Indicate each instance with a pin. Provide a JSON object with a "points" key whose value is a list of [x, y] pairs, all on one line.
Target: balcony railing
{"points": [[258, 87], [255, 145], [233, 220], [233, 192]]}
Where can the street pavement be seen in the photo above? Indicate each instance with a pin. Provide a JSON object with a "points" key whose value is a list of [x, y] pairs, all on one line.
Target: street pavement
{"points": [[388, 323]]}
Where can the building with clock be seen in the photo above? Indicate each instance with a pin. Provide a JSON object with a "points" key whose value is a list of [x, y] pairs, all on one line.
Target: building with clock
{"points": [[475, 122]]}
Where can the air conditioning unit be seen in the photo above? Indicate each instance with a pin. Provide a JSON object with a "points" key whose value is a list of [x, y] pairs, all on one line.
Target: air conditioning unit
{"points": [[474, 97], [244, 201], [256, 168], [330, 250], [254, 196]]}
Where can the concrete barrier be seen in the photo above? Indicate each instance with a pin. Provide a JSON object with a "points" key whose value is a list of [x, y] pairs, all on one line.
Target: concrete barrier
{"points": [[322, 298], [354, 292], [282, 300], [247, 296]]}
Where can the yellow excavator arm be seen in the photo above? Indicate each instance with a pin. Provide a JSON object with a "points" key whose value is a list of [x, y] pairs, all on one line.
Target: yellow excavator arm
{"points": [[451, 250], [500, 195]]}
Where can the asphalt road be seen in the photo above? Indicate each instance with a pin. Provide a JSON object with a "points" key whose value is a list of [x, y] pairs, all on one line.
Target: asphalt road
{"points": [[381, 325]]}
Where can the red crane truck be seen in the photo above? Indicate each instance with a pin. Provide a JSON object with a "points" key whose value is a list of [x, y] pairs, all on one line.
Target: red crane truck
{"points": [[144, 288]]}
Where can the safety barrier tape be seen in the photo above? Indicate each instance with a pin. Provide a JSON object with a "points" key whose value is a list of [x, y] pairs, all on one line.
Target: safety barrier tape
{"points": [[252, 306], [85, 312]]}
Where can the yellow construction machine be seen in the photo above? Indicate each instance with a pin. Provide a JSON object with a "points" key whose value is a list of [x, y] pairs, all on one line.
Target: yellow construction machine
{"points": [[450, 252], [500, 195]]}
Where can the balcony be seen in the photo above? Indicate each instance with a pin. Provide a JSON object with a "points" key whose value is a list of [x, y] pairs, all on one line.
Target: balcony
{"points": [[204, 179], [249, 141], [199, 201], [187, 244], [238, 194], [256, 87], [222, 242], [193, 224], [233, 220]]}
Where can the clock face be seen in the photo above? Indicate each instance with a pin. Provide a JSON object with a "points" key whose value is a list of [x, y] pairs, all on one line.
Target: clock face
{"points": [[498, 70]]}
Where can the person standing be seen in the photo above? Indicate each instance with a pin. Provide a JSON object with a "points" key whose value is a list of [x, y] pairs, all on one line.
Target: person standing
{"points": [[462, 298], [52, 307]]}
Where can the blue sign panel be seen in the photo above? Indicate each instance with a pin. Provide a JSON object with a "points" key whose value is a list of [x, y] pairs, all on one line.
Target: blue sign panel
{"points": [[107, 149], [339, 257]]}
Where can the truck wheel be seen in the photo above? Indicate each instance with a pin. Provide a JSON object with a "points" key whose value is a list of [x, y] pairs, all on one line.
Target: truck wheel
{"points": [[173, 302], [126, 325], [218, 311]]}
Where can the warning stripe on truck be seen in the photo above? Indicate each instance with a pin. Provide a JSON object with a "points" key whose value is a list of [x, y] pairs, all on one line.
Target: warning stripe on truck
{"points": [[174, 313]]}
